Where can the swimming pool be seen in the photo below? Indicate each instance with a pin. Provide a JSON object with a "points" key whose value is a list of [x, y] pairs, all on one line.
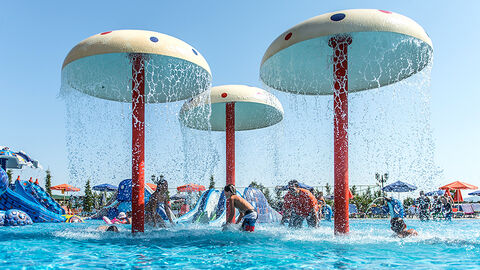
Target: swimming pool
{"points": [[442, 244]]}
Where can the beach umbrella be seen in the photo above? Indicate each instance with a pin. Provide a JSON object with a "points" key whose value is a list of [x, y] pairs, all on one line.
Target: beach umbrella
{"points": [[457, 186], [399, 186], [105, 187], [437, 192], [300, 185], [65, 188], [137, 67], [178, 196], [341, 52], [190, 188], [458, 196], [475, 193]]}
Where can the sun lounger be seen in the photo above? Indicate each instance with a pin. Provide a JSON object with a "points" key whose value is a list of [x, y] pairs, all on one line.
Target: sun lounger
{"points": [[476, 207], [468, 210]]}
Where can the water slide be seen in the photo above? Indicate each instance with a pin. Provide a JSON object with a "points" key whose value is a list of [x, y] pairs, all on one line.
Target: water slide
{"points": [[204, 209], [266, 214], [255, 197], [39, 195], [123, 201], [10, 199]]}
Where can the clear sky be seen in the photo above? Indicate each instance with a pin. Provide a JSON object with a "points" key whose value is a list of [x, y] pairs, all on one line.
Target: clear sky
{"points": [[232, 36]]}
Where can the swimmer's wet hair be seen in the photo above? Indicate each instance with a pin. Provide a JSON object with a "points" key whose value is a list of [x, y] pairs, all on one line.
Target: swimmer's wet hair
{"points": [[230, 188], [397, 224], [112, 228]]}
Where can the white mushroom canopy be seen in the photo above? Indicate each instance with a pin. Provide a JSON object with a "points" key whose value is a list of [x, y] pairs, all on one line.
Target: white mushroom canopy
{"points": [[387, 47], [101, 66], [254, 108]]}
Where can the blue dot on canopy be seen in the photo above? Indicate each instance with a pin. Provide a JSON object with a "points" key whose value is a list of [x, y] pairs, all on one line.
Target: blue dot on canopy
{"points": [[195, 52], [153, 39], [337, 17]]}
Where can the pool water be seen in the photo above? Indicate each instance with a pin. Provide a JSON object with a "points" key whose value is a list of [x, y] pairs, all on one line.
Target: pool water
{"points": [[440, 244]]}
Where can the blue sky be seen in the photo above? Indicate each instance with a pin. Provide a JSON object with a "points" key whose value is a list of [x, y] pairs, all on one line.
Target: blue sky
{"points": [[37, 35]]}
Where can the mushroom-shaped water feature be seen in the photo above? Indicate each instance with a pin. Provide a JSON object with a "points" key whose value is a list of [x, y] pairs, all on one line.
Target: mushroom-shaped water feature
{"points": [[140, 67], [233, 107], [362, 49]]}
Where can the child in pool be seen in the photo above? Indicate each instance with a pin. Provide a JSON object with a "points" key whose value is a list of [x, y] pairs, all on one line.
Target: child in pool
{"points": [[111, 228], [400, 228], [121, 219], [247, 213]]}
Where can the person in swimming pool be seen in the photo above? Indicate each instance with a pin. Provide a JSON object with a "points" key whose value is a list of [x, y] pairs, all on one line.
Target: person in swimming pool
{"points": [[111, 228], [299, 204], [159, 196], [400, 228], [247, 213]]}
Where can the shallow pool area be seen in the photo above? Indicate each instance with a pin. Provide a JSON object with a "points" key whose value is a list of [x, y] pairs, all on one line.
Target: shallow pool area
{"points": [[440, 244]]}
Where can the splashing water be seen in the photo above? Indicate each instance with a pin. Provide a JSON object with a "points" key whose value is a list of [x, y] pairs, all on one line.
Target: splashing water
{"points": [[371, 244]]}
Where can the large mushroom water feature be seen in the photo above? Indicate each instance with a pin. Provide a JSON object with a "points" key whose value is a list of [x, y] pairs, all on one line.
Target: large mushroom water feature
{"points": [[341, 52], [140, 67], [232, 108]]}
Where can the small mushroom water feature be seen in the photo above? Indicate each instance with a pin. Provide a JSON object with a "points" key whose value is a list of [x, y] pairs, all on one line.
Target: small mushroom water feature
{"points": [[341, 52], [139, 67], [233, 108]]}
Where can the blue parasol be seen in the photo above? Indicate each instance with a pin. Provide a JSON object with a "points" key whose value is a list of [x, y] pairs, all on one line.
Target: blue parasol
{"points": [[437, 192], [300, 185], [105, 187], [399, 186], [476, 193]]}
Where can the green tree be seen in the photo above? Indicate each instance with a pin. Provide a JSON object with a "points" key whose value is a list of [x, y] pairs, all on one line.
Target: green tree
{"points": [[9, 174], [408, 202], [328, 189], [353, 189], [88, 198], [212, 182], [48, 182]]}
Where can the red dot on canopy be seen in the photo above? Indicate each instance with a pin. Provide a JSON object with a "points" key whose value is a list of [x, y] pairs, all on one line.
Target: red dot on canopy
{"points": [[224, 95], [104, 33], [385, 11], [288, 36]]}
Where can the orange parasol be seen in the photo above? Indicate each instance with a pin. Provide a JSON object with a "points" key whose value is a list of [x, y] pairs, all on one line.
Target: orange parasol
{"points": [[457, 186], [152, 186], [190, 188], [65, 188]]}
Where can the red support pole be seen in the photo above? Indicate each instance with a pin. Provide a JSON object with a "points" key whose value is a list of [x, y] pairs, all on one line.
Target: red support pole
{"points": [[230, 147], [138, 143], [340, 103]]}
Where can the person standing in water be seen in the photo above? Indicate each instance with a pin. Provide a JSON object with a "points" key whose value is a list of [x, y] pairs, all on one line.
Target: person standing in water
{"points": [[299, 204], [247, 213], [423, 203], [400, 228], [159, 196]]}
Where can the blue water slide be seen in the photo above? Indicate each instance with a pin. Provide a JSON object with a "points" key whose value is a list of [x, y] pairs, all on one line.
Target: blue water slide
{"points": [[266, 214], [12, 200], [220, 215], [203, 208], [39, 195], [123, 202]]}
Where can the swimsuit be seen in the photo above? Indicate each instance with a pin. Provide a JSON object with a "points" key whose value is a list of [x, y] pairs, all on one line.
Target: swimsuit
{"points": [[249, 220]]}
